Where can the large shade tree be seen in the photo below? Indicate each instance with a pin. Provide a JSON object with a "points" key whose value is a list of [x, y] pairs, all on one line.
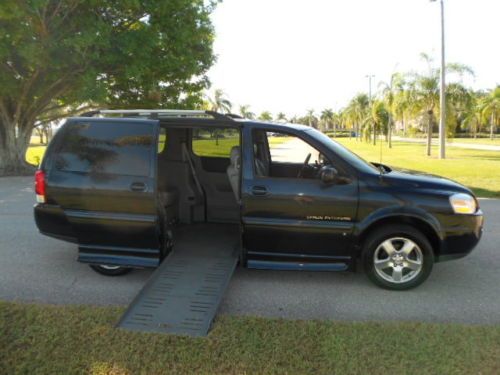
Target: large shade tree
{"points": [[57, 56]]}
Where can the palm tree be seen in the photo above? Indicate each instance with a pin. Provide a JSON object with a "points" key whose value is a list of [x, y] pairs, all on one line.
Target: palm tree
{"points": [[246, 113], [311, 118], [281, 117], [490, 107], [461, 102], [219, 102], [390, 91], [401, 107], [356, 112], [376, 121], [425, 88], [327, 118], [337, 119], [266, 116]]}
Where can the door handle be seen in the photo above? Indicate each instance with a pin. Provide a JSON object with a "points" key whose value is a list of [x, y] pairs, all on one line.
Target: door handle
{"points": [[259, 190], [138, 186]]}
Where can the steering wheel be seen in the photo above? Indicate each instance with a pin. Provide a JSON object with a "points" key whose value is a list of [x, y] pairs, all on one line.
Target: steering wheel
{"points": [[306, 162]]}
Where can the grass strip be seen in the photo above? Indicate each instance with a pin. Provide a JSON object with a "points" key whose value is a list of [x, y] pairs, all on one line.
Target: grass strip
{"points": [[48, 339]]}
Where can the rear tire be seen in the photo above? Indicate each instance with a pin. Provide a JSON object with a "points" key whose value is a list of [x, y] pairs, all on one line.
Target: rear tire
{"points": [[109, 270], [397, 257]]}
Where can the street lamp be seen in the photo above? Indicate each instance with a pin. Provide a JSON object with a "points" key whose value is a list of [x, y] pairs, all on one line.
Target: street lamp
{"points": [[369, 76], [442, 97]]}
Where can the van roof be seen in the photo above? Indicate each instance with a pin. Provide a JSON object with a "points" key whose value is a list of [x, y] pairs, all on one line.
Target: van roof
{"points": [[193, 117]]}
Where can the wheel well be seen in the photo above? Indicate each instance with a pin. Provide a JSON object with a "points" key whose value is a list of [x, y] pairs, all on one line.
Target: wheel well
{"points": [[426, 229]]}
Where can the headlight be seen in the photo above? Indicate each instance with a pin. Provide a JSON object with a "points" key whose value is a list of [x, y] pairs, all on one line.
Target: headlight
{"points": [[463, 203]]}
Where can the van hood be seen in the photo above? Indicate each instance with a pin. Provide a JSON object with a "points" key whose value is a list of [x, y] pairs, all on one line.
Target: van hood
{"points": [[417, 179]]}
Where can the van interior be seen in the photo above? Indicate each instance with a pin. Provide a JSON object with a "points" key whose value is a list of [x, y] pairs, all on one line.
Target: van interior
{"points": [[198, 173]]}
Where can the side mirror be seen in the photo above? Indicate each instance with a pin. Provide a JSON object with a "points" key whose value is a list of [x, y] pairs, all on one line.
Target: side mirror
{"points": [[328, 174]]}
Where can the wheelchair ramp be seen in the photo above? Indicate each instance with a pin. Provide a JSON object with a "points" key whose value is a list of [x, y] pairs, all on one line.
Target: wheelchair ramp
{"points": [[183, 294]]}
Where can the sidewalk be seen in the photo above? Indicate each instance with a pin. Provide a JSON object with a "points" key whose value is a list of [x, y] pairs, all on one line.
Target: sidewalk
{"points": [[435, 141]]}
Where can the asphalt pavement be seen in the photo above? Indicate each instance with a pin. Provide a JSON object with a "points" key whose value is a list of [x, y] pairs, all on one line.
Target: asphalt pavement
{"points": [[35, 268]]}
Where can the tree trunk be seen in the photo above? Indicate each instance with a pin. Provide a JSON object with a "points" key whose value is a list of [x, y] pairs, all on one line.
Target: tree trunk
{"points": [[13, 149], [335, 129], [429, 133], [374, 134], [492, 125], [389, 133], [404, 125]]}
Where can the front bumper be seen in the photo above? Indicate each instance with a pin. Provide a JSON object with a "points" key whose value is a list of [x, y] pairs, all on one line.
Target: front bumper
{"points": [[460, 235]]}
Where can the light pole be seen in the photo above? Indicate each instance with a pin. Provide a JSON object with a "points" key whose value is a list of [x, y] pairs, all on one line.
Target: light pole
{"points": [[370, 76], [442, 90]]}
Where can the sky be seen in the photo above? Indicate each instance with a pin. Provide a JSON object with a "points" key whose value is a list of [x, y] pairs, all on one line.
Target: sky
{"points": [[293, 55]]}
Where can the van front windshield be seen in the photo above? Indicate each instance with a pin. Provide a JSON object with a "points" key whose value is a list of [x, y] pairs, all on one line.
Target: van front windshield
{"points": [[346, 154]]}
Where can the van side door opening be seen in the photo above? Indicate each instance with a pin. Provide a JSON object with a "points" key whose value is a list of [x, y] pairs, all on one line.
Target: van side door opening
{"points": [[194, 190]]}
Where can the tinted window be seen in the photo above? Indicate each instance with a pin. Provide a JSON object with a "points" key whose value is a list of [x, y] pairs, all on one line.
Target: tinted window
{"points": [[215, 142], [111, 148]]}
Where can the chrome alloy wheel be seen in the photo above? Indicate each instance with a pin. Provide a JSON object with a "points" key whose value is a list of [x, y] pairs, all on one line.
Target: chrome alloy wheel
{"points": [[398, 260]]}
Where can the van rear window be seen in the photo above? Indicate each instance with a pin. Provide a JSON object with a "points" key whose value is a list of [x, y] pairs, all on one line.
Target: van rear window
{"points": [[108, 148]]}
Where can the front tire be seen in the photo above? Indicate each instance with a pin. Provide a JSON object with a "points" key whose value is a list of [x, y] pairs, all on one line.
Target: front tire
{"points": [[109, 270], [397, 257]]}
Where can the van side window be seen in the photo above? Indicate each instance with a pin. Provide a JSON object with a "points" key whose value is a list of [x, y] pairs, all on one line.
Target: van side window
{"points": [[282, 155], [162, 140], [285, 148], [214, 142], [107, 148]]}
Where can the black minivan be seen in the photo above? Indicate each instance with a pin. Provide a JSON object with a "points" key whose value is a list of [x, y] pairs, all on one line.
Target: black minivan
{"points": [[122, 184]]}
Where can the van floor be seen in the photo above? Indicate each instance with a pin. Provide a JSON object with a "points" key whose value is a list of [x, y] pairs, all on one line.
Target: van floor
{"points": [[183, 294], [206, 239]]}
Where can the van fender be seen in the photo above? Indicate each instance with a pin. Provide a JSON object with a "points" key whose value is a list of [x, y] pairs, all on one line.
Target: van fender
{"points": [[399, 214]]}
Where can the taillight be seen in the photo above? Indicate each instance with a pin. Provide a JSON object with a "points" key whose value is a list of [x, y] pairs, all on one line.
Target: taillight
{"points": [[40, 186]]}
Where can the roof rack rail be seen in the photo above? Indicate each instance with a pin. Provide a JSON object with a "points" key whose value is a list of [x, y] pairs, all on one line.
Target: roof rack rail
{"points": [[163, 113], [234, 115]]}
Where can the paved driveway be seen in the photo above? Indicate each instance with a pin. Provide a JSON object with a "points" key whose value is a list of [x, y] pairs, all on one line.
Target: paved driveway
{"points": [[37, 268]]}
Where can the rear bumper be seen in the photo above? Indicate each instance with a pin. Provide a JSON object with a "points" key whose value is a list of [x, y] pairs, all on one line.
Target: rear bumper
{"points": [[461, 236], [51, 221]]}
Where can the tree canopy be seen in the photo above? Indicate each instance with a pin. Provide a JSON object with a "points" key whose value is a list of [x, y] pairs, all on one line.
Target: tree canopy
{"points": [[58, 54]]}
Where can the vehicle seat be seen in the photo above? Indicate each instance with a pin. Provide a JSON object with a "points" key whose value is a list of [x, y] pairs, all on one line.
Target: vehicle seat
{"points": [[169, 200], [233, 171]]}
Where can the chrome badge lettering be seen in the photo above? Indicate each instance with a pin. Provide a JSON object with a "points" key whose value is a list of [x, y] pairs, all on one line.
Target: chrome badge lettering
{"points": [[328, 218]]}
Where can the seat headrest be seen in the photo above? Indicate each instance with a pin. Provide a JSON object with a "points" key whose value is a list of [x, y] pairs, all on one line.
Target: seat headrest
{"points": [[235, 156]]}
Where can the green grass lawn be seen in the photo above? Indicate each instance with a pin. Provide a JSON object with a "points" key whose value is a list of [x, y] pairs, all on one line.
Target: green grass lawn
{"points": [[215, 148], [479, 141], [43, 339], [477, 169]]}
